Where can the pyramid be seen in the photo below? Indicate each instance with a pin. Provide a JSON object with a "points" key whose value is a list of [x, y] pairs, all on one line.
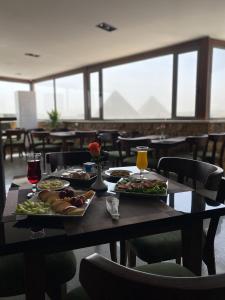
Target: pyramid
{"points": [[117, 107], [153, 109]]}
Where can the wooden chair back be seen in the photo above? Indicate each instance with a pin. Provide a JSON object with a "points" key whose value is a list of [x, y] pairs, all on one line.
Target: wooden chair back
{"points": [[67, 159], [15, 138], [86, 137], [126, 143], [42, 136], [197, 143], [217, 143], [207, 174], [105, 280]]}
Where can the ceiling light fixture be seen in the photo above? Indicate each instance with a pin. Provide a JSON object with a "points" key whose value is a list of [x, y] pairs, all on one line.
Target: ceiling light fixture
{"points": [[32, 55], [106, 27]]}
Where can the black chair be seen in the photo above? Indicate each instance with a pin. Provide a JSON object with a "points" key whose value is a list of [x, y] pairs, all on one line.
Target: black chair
{"points": [[65, 159], [166, 246], [60, 268], [86, 137], [15, 139], [196, 145], [105, 280], [127, 151], [214, 149]]}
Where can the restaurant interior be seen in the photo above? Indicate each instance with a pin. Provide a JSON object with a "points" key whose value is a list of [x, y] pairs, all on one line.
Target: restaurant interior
{"points": [[112, 149]]}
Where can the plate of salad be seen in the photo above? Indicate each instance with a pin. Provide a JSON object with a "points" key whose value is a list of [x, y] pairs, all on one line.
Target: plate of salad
{"points": [[142, 187]]}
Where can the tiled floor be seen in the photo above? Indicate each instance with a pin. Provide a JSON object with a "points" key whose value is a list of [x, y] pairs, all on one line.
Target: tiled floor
{"points": [[18, 167]]}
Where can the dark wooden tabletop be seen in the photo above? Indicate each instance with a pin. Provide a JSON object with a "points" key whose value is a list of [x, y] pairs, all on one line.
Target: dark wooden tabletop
{"points": [[181, 209]]}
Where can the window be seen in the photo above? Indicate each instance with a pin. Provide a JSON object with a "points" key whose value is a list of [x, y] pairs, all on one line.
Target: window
{"points": [[186, 84], [217, 107], [8, 95], [44, 98], [70, 97], [94, 95], [139, 90]]}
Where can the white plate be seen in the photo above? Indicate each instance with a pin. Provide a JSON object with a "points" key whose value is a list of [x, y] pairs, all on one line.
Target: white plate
{"points": [[65, 184], [108, 172], [141, 194], [53, 214]]}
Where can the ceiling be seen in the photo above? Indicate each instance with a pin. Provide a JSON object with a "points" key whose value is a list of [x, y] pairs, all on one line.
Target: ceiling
{"points": [[64, 32]]}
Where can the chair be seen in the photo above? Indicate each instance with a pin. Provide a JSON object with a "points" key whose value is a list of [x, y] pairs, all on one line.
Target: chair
{"points": [[60, 268], [40, 142], [127, 151], [64, 159], [15, 139], [196, 145], [86, 137], [217, 143], [166, 246], [108, 142], [105, 280]]}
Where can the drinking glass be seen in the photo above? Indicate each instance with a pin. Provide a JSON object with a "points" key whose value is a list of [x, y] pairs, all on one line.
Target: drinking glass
{"points": [[142, 159], [34, 171]]}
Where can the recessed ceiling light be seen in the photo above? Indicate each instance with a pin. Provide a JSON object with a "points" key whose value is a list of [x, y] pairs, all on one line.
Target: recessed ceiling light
{"points": [[32, 55], [106, 27]]}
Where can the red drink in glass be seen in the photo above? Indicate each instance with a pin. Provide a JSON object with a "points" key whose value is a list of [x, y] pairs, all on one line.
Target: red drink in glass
{"points": [[34, 171]]}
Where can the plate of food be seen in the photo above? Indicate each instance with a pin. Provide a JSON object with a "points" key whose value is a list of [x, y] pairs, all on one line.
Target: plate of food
{"points": [[66, 203], [119, 173], [142, 187], [52, 184], [78, 177]]}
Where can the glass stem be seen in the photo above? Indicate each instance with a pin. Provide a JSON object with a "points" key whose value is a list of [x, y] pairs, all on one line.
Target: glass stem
{"points": [[34, 188]]}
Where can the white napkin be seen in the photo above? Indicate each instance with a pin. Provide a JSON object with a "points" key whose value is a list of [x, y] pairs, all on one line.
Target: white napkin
{"points": [[112, 206]]}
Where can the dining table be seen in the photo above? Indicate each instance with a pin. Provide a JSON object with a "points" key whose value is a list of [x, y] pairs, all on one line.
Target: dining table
{"points": [[180, 208]]}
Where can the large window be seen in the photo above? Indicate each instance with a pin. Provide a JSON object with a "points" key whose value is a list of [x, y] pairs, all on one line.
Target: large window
{"points": [[186, 84], [44, 98], [8, 95], [139, 90], [217, 107], [70, 97]]}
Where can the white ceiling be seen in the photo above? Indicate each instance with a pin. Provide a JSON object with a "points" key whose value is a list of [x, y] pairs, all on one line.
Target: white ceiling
{"points": [[64, 32]]}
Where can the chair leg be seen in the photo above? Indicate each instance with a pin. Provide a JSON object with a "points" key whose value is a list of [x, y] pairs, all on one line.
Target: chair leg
{"points": [[131, 257], [209, 259], [57, 292], [123, 253], [178, 260], [113, 251]]}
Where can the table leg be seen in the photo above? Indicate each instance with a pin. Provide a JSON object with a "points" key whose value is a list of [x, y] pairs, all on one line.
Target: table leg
{"points": [[192, 245], [35, 276]]}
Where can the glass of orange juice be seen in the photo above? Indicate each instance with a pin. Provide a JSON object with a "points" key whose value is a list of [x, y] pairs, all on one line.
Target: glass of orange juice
{"points": [[142, 159]]}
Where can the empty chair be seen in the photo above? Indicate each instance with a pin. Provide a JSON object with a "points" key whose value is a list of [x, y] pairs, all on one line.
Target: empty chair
{"points": [[67, 159], [40, 142], [197, 145], [85, 137], [105, 280], [166, 246], [214, 149], [60, 268], [15, 140], [127, 149]]}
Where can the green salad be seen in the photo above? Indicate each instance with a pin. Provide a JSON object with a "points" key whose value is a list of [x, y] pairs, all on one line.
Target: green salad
{"points": [[30, 207], [145, 186]]}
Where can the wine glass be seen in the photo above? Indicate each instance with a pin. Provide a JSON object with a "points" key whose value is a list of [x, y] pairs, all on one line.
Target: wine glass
{"points": [[33, 171], [142, 159]]}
